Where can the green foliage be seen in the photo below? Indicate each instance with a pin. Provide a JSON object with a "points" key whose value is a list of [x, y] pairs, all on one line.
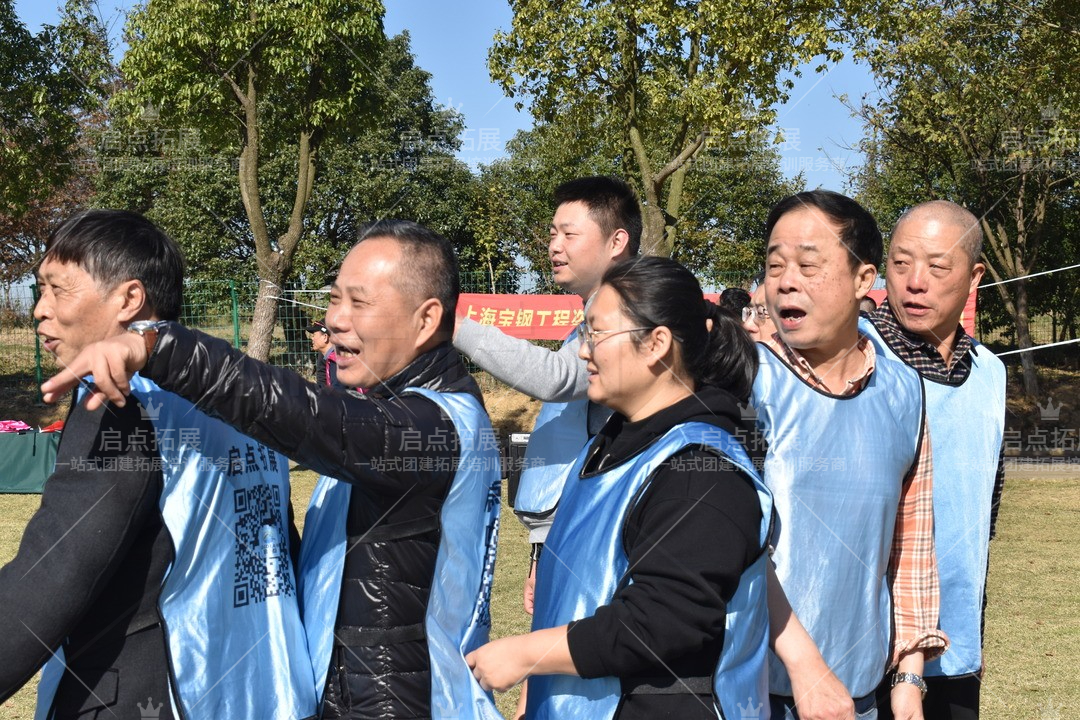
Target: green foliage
{"points": [[266, 81], [403, 166], [50, 82], [399, 165], [309, 62], [729, 191], [664, 75]]}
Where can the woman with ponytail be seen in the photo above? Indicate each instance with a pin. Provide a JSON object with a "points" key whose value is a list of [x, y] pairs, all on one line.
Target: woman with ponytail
{"points": [[650, 592]]}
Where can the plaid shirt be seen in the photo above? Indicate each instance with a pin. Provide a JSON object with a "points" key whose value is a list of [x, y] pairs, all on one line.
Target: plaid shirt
{"points": [[912, 574], [928, 362], [921, 354]]}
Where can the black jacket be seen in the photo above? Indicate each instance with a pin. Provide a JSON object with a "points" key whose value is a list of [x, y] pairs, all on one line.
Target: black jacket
{"points": [[688, 538], [88, 573], [400, 453]]}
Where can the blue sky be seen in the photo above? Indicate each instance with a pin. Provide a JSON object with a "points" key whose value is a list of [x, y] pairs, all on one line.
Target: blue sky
{"points": [[451, 40]]}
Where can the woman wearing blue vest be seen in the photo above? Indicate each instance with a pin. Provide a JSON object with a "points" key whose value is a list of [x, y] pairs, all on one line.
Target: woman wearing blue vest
{"points": [[650, 595]]}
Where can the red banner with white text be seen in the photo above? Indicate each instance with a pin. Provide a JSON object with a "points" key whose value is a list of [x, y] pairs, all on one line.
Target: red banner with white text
{"points": [[552, 317]]}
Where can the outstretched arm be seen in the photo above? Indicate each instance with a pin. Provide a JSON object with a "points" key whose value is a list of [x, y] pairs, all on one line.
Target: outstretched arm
{"points": [[352, 438], [548, 375]]}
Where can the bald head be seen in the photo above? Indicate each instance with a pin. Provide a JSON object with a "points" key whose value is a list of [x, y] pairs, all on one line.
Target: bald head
{"points": [[948, 214]]}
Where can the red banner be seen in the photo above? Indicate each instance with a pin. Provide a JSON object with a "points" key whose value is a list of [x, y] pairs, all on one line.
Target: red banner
{"points": [[552, 317]]}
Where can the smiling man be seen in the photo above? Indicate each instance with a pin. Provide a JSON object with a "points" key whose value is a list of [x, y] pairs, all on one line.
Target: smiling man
{"points": [[157, 573], [849, 465], [597, 223], [399, 539], [932, 268]]}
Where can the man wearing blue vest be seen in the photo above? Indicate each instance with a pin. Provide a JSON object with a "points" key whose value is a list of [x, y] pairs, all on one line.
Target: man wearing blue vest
{"points": [[849, 464], [399, 539], [932, 268], [597, 223], [157, 576]]}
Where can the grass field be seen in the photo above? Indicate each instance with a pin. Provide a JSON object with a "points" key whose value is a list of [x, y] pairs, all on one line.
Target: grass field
{"points": [[1033, 616]]}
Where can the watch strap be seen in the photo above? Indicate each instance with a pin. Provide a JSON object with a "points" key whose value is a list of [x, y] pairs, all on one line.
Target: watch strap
{"points": [[912, 678]]}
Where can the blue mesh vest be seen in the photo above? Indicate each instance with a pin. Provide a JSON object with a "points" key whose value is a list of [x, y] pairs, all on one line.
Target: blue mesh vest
{"points": [[967, 423], [584, 563], [560, 431], [836, 467], [229, 602], [458, 614]]}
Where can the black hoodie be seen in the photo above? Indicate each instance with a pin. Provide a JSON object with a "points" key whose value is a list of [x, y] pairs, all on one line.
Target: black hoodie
{"points": [[688, 538]]}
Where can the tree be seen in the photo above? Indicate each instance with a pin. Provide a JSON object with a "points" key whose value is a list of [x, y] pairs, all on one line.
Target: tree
{"points": [[729, 191], [403, 166], [976, 107], [50, 81], [56, 83], [670, 75], [267, 80]]}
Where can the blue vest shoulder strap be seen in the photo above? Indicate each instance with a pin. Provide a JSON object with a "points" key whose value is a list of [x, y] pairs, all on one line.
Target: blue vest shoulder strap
{"points": [[584, 563]]}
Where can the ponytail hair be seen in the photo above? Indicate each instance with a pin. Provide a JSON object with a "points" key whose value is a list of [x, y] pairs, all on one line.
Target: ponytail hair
{"points": [[655, 291]]}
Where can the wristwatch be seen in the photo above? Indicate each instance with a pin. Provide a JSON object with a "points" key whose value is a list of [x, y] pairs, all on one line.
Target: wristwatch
{"points": [[906, 677], [148, 329]]}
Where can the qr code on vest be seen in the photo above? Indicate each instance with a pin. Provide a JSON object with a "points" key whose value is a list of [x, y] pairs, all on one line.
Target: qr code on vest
{"points": [[263, 568]]}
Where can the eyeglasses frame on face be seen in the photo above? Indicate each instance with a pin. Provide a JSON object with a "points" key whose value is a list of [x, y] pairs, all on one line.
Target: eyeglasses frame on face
{"points": [[759, 312], [585, 335]]}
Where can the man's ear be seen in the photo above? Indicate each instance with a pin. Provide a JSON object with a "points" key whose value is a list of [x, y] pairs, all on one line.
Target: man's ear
{"points": [[864, 280], [977, 272], [428, 317], [620, 242], [130, 296]]}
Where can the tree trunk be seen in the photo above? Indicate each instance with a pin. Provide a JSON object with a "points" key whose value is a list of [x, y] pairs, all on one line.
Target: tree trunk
{"points": [[652, 235], [1023, 340], [674, 206], [264, 318]]}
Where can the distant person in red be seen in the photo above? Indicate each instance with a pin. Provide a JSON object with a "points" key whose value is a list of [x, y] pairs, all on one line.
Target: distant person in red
{"points": [[326, 366]]}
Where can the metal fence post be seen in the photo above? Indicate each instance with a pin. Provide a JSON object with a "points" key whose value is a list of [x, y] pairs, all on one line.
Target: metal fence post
{"points": [[235, 314]]}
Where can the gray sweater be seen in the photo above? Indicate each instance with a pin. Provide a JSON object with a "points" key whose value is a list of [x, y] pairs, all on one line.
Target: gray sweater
{"points": [[548, 375]]}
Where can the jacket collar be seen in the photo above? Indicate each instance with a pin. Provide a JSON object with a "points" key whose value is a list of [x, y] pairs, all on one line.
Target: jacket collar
{"points": [[439, 369]]}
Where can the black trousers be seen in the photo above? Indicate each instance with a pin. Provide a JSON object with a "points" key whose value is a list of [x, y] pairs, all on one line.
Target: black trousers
{"points": [[947, 698]]}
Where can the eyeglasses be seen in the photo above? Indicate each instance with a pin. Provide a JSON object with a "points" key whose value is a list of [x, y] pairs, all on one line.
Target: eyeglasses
{"points": [[588, 336], [757, 312]]}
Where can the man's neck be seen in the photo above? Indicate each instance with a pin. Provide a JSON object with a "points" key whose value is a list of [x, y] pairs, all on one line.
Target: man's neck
{"points": [[837, 362], [944, 345]]}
